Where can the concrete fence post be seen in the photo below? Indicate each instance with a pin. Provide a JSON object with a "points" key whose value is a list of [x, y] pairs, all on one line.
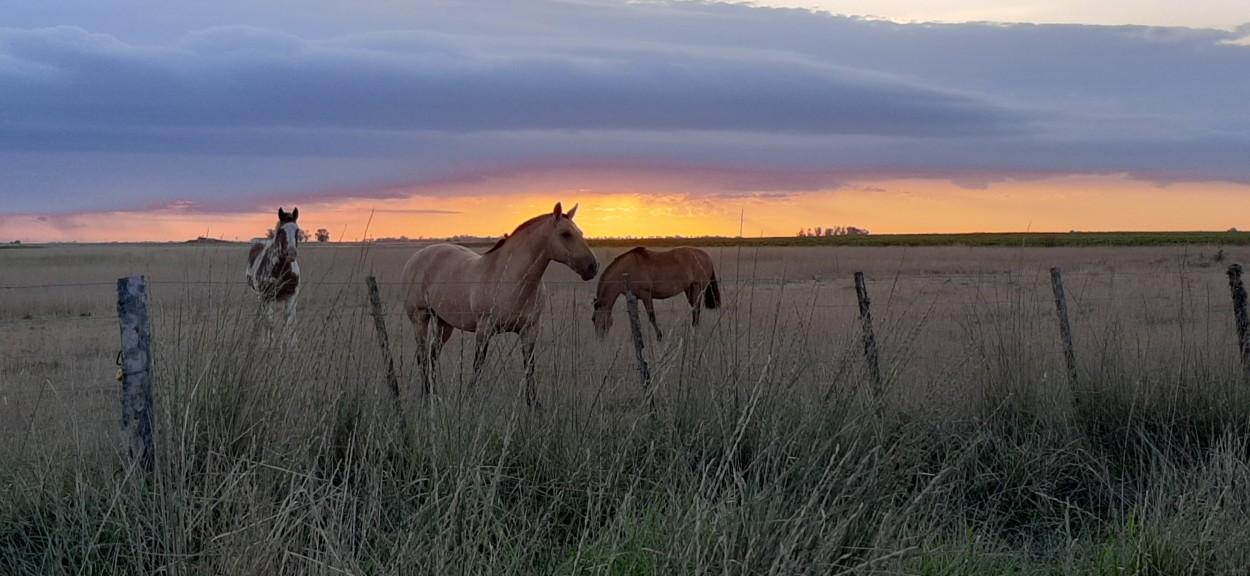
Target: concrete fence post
{"points": [[869, 339], [379, 324], [1065, 331], [635, 326], [136, 369], [1239, 316]]}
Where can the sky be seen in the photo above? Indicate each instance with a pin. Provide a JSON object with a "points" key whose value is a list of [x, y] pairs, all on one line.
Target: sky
{"points": [[135, 120]]}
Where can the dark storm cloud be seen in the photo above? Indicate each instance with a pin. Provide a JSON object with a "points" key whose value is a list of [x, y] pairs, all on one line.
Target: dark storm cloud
{"points": [[102, 112], [251, 78]]}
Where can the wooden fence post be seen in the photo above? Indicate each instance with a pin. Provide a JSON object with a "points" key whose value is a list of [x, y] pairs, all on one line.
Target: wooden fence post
{"points": [[635, 325], [136, 372], [1065, 330], [379, 324], [870, 339], [1239, 314]]}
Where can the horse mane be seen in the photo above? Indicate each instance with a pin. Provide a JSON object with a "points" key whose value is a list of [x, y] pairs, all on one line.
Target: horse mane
{"points": [[522, 226], [641, 251]]}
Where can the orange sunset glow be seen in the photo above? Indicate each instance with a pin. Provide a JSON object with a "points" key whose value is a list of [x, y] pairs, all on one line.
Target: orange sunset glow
{"points": [[1101, 203]]}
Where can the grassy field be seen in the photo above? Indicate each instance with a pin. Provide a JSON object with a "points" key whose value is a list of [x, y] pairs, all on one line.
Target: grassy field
{"points": [[764, 453]]}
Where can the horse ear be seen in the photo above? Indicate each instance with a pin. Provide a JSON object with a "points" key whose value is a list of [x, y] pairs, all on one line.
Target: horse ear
{"points": [[572, 212], [295, 213], [281, 213], [558, 211]]}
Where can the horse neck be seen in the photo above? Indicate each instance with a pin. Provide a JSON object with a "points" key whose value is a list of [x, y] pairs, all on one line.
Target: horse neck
{"points": [[273, 260], [521, 258], [611, 284], [273, 256]]}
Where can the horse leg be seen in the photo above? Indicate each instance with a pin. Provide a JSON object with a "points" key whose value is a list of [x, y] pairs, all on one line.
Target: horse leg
{"points": [[647, 303], [441, 334], [529, 335], [479, 354], [289, 336], [421, 331], [271, 321], [694, 295], [260, 325], [440, 338]]}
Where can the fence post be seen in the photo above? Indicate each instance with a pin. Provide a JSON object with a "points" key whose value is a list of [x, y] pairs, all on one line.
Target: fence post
{"points": [[870, 339], [1065, 330], [635, 325], [1239, 313], [136, 373], [379, 324]]}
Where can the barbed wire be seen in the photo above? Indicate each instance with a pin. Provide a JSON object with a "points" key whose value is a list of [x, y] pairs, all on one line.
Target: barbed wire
{"points": [[71, 285], [76, 390], [1083, 285], [364, 309], [1040, 275], [74, 318]]}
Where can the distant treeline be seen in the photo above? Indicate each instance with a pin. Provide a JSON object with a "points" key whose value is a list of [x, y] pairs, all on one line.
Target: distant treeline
{"points": [[1026, 239], [818, 231]]}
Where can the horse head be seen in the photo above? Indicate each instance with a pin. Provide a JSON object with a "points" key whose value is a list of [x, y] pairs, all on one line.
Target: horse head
{"points": [[567, 245], [286, 236]]}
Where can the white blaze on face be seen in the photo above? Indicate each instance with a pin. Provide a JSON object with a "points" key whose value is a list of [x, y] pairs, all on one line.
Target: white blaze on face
{"points": [[291, 231]]}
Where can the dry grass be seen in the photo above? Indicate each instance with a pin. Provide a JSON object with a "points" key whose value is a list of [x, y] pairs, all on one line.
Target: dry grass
{"points": [[763, 454]]}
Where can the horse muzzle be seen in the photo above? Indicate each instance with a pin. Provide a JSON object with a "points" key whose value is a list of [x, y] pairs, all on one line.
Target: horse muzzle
{"points": [[589, 272]]}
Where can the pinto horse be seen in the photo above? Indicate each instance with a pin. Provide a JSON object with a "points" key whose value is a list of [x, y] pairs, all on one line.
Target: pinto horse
{"points": [[655, 276], [452, 287], [272, 270]]}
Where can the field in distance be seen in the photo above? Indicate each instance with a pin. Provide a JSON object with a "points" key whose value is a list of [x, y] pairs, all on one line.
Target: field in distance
{"points": [[1007, 239], [1039, 239]]}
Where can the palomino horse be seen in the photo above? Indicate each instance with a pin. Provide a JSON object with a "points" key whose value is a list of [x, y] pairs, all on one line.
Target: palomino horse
{"points": [[450, 286], [656, 276], [272, 270]]}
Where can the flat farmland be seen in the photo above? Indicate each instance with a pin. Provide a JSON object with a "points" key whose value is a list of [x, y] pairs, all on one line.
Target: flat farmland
{"points": [[765, 450]]}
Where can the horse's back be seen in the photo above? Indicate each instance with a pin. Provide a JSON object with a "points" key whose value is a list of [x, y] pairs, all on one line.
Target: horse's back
{"points": [[253, 255], [434, 269], [256, 250], [702, 262], [681, 264], [686, 262]]}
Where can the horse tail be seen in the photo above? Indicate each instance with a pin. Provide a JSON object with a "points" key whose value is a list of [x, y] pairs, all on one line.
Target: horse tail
{"points": [[711, 294]]}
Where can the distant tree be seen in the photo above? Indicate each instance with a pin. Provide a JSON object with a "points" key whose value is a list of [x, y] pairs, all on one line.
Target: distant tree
{"points": [[323, 235]]}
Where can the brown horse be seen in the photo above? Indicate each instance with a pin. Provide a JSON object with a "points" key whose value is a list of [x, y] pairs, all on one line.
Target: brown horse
{"points": [[450, 286], [655, 276]]}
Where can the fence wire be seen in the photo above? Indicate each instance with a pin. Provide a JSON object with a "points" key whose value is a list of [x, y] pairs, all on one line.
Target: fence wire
{"points": [[58, 353]]}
